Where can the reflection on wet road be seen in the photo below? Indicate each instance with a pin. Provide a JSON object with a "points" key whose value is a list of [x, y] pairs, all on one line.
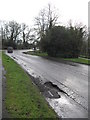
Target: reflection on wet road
{"points": [[72, 79]]}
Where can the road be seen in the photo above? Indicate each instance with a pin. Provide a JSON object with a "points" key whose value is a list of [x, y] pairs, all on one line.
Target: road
{"points": [[68, 81]]}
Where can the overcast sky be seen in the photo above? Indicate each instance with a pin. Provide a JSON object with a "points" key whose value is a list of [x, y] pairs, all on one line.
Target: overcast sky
{"points": [[25, 10]]}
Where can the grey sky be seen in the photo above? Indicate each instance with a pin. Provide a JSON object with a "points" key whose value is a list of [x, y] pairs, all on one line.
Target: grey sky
{"points": [[26, 10]]}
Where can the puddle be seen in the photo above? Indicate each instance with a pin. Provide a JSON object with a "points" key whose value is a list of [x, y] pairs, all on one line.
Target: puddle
{"points": [[52, 90], [53, 86]]}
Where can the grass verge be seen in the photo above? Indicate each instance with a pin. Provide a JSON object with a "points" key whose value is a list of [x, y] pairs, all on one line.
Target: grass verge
{"points": [[79, 60], [23, 98]]}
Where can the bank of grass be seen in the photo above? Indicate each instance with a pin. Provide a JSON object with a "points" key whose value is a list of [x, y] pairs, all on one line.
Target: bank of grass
{"points": [[23, 98], [79, 60]]}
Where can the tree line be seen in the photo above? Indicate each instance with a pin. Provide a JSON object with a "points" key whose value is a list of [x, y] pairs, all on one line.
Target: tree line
{"points": [[15, 35], [48, 35]]}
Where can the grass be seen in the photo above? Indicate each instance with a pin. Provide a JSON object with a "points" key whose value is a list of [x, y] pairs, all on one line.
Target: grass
{"points": [[23, 98], [79, 60]]}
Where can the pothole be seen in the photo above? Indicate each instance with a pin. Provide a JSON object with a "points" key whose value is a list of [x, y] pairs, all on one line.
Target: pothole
{"points": [[48, 89], [53, 86], [52, 90]]}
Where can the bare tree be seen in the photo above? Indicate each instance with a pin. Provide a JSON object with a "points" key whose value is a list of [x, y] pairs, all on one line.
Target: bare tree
{"points": [[26, 33], [10, 32], [52, 17], [23, 27], [40, 23], [46, 20], [14, 30]]}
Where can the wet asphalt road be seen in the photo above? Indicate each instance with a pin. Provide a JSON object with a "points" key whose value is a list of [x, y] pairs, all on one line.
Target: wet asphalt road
{"points": [[71, 78]]}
